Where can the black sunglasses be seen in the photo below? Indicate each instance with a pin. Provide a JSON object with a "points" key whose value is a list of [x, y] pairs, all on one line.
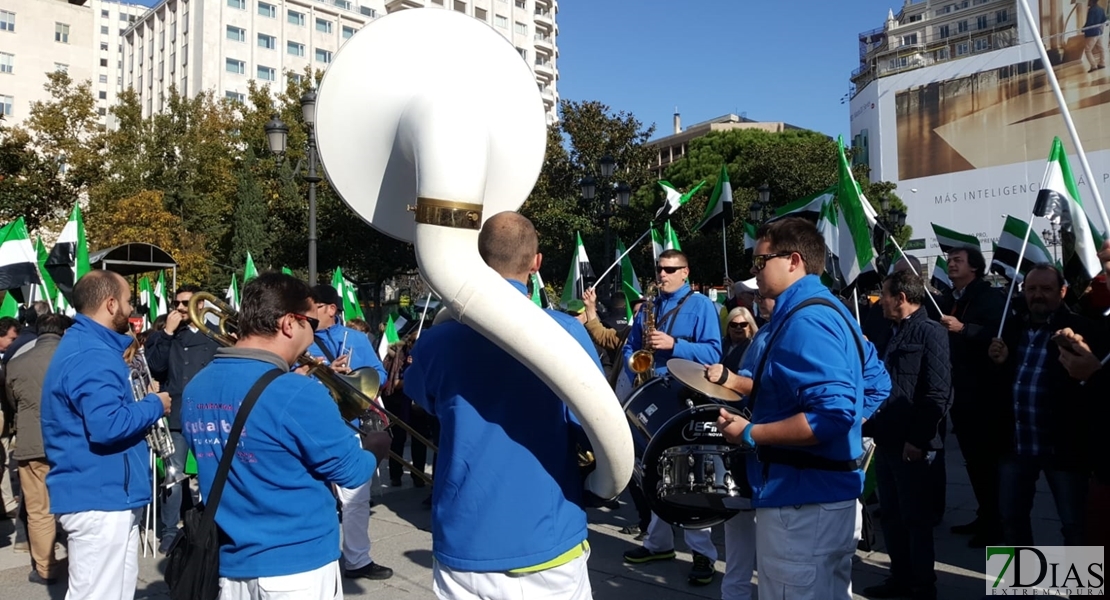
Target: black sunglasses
{"points": [[759, 261], [742, 325], [180, 302], [312, 322], [669, 270]]}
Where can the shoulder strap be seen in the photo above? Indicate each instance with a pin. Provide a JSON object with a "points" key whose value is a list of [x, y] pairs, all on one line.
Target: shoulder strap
{"points": [[667, 320], [758, 374], [323, 348], [212, 502]]}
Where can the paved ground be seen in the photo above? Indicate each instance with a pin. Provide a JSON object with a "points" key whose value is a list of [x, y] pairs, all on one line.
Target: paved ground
{"points": [[401, 539]]}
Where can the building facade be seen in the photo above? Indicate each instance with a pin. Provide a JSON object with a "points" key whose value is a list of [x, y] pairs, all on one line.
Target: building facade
{"points": [[673, 147]]}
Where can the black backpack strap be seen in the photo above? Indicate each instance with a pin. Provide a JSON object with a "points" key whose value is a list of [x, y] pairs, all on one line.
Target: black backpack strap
{"points": [[212, 502], [324, 348]]}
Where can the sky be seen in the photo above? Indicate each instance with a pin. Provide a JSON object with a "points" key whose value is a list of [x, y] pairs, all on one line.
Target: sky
{"points": [[772, 59]]}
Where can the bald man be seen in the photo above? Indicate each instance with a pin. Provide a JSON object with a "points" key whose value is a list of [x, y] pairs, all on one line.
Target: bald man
{"points": [[506, 516], [94, 434]]}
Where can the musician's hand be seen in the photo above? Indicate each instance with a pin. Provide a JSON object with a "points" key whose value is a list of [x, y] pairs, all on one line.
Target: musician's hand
{"points": [[732, 426], [911, 453], [340, 364], [165, 398], [713, 373], [302, 370], [998, 352], [952, 324], [155, 387], [173, 321], [661, 341], [377, 443]]}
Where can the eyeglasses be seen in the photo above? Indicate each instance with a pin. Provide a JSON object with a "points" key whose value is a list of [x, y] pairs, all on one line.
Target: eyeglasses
{"points": [[741, 325], [312, 322], [668, 270], [759, 261], [180, 302]]}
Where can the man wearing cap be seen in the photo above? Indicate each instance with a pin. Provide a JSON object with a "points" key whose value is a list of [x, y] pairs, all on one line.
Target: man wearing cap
{"points": [[345, 350]]}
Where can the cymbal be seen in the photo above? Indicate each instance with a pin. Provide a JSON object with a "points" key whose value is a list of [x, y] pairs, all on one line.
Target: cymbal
{"points": [[692, 375]]}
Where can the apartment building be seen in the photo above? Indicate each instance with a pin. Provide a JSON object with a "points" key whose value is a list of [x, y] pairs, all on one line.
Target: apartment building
{"points": [[672, 147], [528, 24]]}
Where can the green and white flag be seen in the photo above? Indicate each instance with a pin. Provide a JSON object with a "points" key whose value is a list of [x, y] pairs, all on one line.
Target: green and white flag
{"points": [[675, 199], [351, 307], [45, 291], [854, 223], [1059, 202], [61, 305], [809, 207], [718, 213], [829, 228], [1008, 248], [249, 272], [162, 293], [232, 294], [950, 240], [287, 271], [940, 278], [656, 244], [149, 299], [9, 308], [580, 269], [630, 284], [670, 238], [749, 236], [539, 295], [389, 338], [18, 260], [68, 261]]}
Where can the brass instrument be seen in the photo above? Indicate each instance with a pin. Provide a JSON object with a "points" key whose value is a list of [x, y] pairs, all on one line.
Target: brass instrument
{"points": [[354, 393], [159, 435], [642, 361]]}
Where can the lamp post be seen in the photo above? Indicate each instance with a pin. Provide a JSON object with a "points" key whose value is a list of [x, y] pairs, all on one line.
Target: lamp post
{"points": [[277, 134], [611, 197], [1051, 237], [762, 202], [891, 220]]}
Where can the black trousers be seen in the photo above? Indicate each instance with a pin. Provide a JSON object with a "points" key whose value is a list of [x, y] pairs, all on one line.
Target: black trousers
{"points": [[906, 499], [982, 455], [414, 417], [643, 511]]}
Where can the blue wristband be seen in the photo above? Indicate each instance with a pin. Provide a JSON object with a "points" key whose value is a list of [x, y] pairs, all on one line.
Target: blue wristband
{"points": [[748, 435]]}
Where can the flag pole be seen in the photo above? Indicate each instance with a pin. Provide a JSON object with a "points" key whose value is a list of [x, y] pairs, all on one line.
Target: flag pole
{"points": [[855, 303], [902, 252], [1017, 272], [1051, 75], [621, 257], [423, 315], [724, 242]]}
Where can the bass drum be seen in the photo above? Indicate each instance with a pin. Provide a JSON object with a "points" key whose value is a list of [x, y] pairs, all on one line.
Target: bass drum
{"points": [[683, 462]]}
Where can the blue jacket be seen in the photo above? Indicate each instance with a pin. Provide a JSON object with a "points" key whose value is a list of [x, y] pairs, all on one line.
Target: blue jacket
{"points": [[1095, 18], [507, 486], [696, 329], [814, 368], [339, 339], [93, 429], [276, 510]]}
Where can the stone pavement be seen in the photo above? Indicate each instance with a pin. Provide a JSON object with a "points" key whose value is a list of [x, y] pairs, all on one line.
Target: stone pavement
{"points": [[400, 530]]}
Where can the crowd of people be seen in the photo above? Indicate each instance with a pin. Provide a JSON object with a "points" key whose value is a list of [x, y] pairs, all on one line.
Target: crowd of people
{"points": [[816, 379]]}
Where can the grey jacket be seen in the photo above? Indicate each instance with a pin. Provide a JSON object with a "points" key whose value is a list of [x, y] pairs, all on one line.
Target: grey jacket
{"points": [[23, 377]]}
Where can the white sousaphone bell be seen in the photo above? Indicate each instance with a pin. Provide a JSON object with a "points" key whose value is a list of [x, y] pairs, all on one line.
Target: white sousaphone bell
{"points": [[428, 122]]}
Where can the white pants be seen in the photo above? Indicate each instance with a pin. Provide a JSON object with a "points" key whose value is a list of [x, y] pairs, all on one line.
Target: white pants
{"points": [[566, 582], [103, 553], [739, 557], [318, 584], [356, 525], [1095, 50], [805, 552], [660, 537]]}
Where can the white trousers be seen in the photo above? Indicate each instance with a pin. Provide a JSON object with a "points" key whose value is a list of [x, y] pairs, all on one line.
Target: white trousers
{"points": [[739, 557], [805, 552], [103, 554], [660, 537], [356, 525], [566, 582], [318, 584]]}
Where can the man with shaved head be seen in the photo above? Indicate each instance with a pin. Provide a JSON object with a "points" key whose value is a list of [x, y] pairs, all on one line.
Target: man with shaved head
{"points": [[94, 432], [501, 426]]}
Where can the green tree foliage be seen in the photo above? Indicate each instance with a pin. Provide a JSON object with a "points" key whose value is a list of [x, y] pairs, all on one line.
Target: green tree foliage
{"points": [[30, 185], [250, 220]]}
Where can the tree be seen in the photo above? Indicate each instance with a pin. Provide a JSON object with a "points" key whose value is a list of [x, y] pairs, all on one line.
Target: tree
{"points": [[250, 230], [66, 130], [29, 184]]}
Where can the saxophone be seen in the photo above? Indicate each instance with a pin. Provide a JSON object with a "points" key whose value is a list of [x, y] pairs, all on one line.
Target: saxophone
{"points": [[159, 435], [642, 361]]}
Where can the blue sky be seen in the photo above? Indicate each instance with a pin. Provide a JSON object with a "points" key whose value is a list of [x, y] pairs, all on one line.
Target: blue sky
{"points": [[774, 60]]}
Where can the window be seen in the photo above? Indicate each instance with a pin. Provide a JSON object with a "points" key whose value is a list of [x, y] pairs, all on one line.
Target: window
{"points": [[123, 17], [7, 62], [961, 49], [915, 18], [295, 18], [344, 4], [234, 96], [7, 21], [909, 40], [943, 32], [981, 22], [1002, 16], [323, 25], [236, 66], [103, 79], [481, 14], [942, 54], [295, 78], [323, 56], [6, 105], [103, 14], [982, 44], [366, 10], [103, 30], [61, 33], [99, 111], [239, 4], [104, 46], [104, 62], [520, 28], [236, 34], [521, 4], [266, 73], [184, 54], [500, 21], [185, 86], [268, 42], [523, 53], [962, 27], [294, 48], [102, 95], [348, 32], [460, 6], [267, 10]]}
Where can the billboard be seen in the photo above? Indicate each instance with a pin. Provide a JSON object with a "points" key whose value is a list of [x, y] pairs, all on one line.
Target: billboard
{"points": [[967, 139]]}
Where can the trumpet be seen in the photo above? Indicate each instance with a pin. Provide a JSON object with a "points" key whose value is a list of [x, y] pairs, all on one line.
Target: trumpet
{"points": [[353, 393], [159, 435]]}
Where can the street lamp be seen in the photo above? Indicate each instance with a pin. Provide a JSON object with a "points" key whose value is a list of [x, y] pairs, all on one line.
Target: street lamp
{"points": [[277, 134], [609, 196], [890, 221], [763, 201], [1051, 237]]}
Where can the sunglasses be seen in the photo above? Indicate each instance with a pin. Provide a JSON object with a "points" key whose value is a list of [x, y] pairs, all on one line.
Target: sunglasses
{"points": [[180, 302], [312, 322], [668, 270], [738, 325], [759, 261]]}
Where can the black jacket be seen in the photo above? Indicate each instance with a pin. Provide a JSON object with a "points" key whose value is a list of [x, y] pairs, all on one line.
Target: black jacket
{"points": [[176, 360], [1070, 405], [917, 359], [980, 310]]}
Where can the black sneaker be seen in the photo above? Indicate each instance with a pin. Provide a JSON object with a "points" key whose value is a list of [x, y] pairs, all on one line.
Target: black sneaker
{"points": [[34, 577], [630, 530], [887, 589], [370, 571], [702, 571], [643, 555]]}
